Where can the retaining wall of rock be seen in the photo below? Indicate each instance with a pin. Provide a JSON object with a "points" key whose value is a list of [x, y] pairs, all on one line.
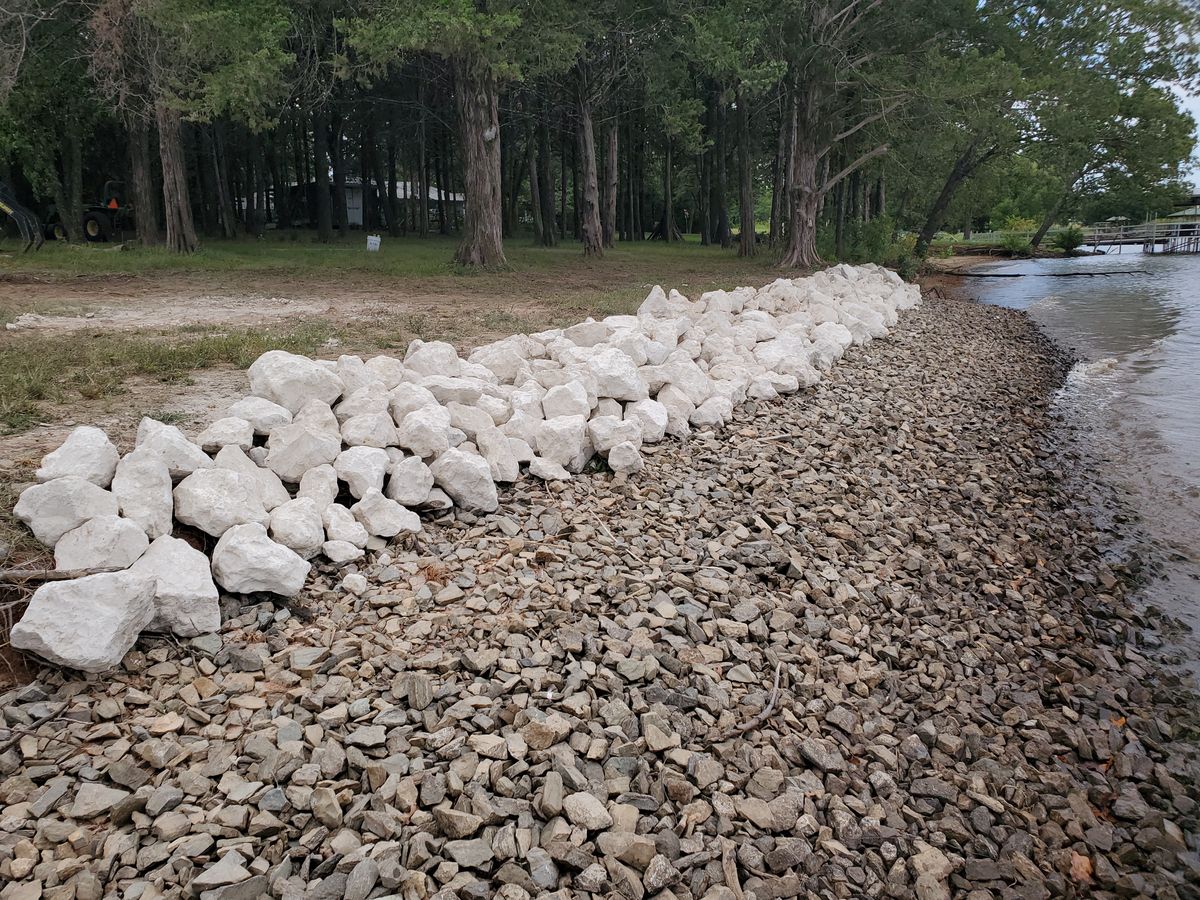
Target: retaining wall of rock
{"points": [[332, 458]]}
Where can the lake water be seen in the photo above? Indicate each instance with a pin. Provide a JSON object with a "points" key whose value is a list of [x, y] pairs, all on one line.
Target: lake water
{"points": [[1135, 392]]}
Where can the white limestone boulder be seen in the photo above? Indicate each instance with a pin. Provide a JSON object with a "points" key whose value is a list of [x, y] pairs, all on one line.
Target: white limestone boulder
{"points": [[588, 333], [270, 489], [105, 542], [625, 459], [55, 507], [262, 414], [712, 413], [291, 380], [319, 416], [181, 456], [215, 500], [432, 358], [562, 439], [142, 486], [356, 375], [297, 525], [246, 560], [547, 470], [425, 431], [87, 453], [364, 401], [185, 598], [229, 431], [320, 484], [294, 449], [679, 409], [446, 389], [569, 399], [341, 552], [617, 376], [651, 417], [608, 431], [362, 468], [87, 623], [340, 525], [409, 481], [406, 397], [388, 369], [467, 479], [494, 447], [369, 430], [384, 518]]}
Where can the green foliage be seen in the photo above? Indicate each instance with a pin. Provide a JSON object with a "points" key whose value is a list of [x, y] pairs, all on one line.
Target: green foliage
{"points": [[1068, 239], [1016, 244]]}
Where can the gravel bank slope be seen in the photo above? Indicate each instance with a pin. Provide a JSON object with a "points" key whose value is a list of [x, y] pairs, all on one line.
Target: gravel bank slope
{"points": [[577, 694]]}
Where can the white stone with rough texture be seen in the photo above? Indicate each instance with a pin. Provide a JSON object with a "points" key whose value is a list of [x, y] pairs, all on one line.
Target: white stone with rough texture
{"points": [[319, 483], [356, 375], [245, 560], [545, 469], [296, 448], [340, 525], [318, 416], [362, 468], [616, 376], [185, 598], [409, 481], [651, 416], [387, 369], [262, 414], [270, 489], [181, 456], [87, 453], [608, 431], [625, 459], [214, 500], [52, 509], [341, 552], [87, 623], [494, 447], [369, 430], [229, 431], [406, 397], [142, 486], [291, 380], [367, 400], [562, 438], [297, 525], [452, 390], [712, 413], [467, 478], [679, 410], [569, 399], [105, 542], [425, 431], [383, 517], [432, 358]]}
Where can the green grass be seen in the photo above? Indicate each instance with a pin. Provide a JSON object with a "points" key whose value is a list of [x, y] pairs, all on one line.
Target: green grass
{"points": [[40, 369]]}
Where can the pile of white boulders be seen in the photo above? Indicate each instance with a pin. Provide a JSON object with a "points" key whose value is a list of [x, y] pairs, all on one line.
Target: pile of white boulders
{"points": [[330, 458]]}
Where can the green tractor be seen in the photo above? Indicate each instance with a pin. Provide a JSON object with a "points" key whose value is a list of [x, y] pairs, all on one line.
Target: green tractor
{"points": [[100, 221]]}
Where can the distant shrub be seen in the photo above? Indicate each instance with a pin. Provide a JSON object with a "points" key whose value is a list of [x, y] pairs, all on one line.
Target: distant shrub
{"points": [[1070, 238], [1019, 223], [1016, 244]]}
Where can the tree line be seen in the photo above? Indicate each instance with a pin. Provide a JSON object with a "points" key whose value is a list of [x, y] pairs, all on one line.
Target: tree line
{"points": [[597, 120]]}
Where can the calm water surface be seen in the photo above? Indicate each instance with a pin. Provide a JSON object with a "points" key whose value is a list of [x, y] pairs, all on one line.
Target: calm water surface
{"points": [[1136, 393]]}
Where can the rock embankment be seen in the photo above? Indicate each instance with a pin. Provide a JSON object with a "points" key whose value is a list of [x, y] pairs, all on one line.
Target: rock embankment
{"points": [[858, 644]]}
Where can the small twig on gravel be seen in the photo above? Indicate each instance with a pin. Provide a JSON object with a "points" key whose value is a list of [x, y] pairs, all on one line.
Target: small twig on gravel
{"points": [[12, 742], [25, 576], [729, 867], [766, 710]]}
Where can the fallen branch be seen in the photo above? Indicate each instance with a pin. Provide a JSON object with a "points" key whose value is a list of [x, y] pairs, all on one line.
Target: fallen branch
{"points": [[964, 274], [28, 576], [22, 732], [729, 868], [766, 710]]}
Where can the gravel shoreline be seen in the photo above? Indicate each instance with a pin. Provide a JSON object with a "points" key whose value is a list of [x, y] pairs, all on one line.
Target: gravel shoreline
{"points": [[578, 693]]}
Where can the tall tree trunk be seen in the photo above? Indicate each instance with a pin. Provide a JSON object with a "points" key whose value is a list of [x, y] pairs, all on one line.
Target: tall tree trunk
{"points": [[144, 200], [966, 164], [321, 177], [478, 102], [704, 198], [279, 182], [839, 224], [723, 233], [422, 187], [375, 161], [589, 213], [181, 233], [341, 214], [1052, 212], [206, 175], [612, 184], [776, 233], [535, 188], [228, 214], [68, 188], [747, 239], [800, 251], [667, 226], [398, 218], [546, 187]]}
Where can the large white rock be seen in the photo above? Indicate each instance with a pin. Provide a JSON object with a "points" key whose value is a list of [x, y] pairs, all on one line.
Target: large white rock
{"points": [[494, 447], [369, 430], [547, 470], [318, 416], [297, 525], [406, 397], [245, 560], [616, 376], [362, 468], [105, 542], [608, 431], [425, 431], [356, 375], [229, 431], [446, 389], [383, 517], [87, 623], [679, 410], [294, 449], [261, 413], [409, 481], [387, 369], [562, 439], [569, 399], [340, 525], [185, 598], [52, 509], [470, 420], [142, 486], [651, 416], [432, 358], [625, 458], [712, 413], [270, 489], [341, 552], [172, 447], [86, 453], [291, 380], [214, 500], [370, 399], [320, 484], [467, 478]]}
